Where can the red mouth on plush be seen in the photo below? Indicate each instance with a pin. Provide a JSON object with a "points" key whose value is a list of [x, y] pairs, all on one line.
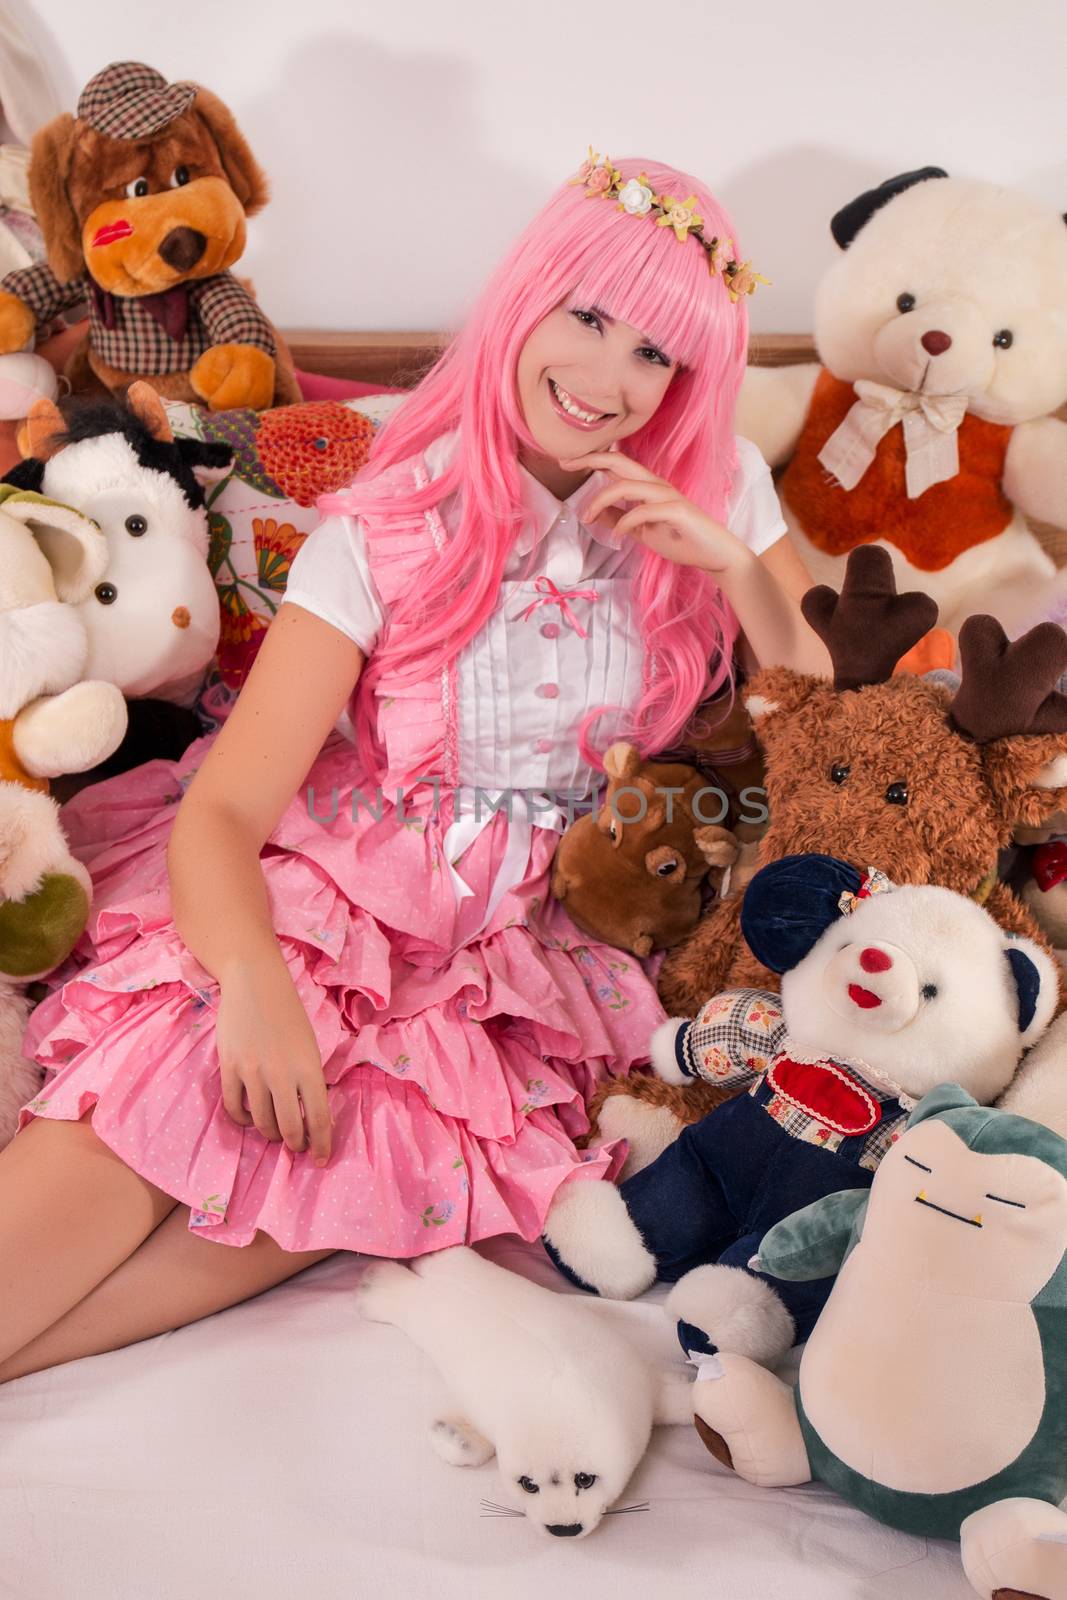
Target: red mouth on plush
{"points": [[863, 997], [111, 232]]}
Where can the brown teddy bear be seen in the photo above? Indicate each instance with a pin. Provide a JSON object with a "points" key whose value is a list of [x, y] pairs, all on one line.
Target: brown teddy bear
{"points": [[142, 200], [888, 771], [632, 874]]}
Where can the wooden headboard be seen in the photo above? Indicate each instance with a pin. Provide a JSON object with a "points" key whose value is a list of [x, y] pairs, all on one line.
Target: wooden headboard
{"points": [[400, 358]]}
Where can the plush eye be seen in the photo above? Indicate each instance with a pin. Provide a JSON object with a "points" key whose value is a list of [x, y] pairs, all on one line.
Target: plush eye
{"points": [[613, 832], [665, 869], [905, 302], [897, 794], [839, 772], [529, 1486], [320, 444], [136, 525], [584, 1480], [106, 593], [179, 177], [1004, 339], [929, 991], [137, 188]]}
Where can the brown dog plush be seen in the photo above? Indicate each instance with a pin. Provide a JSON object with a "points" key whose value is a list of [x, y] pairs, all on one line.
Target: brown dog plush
{"points": [[889, 771], [142, 200], [632, 875]]}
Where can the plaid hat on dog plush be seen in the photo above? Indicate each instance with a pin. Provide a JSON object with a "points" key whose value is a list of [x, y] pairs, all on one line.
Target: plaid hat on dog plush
{"points": [[128, 100]]}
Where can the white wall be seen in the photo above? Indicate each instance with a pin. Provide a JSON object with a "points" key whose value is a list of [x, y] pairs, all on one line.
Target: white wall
{"points": [[407, 140]]}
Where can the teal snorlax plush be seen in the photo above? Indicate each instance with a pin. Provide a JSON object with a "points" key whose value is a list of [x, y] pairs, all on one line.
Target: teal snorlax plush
{"points": [[933, 1390]]}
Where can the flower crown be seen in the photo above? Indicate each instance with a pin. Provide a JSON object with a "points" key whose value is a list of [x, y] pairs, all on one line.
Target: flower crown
{"points": [[635, 195]]}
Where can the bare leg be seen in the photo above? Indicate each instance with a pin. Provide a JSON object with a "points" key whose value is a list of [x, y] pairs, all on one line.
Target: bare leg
{"points": [[173, 1279], [70, 1212]]}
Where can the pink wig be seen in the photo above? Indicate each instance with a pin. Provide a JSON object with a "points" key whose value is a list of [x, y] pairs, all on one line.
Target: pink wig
{"points": [[578, 252]]}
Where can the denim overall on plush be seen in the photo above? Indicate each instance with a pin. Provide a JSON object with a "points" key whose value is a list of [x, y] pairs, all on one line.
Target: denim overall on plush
{"points": [[726, 1180]]}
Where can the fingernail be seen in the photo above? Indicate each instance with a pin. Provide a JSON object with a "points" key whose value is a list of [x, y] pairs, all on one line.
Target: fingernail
{"points": [[320, 1161]]}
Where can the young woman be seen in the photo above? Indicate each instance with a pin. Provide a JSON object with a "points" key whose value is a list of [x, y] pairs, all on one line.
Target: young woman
{"points": [[339, 1024]]}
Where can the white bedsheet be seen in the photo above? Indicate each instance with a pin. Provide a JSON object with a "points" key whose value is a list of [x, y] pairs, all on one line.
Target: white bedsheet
{"points": [[279, 1450]]}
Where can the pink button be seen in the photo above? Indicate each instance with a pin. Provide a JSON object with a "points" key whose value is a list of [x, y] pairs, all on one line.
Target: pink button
{"points": [[548, 691], [543, 746], [550, 630]]}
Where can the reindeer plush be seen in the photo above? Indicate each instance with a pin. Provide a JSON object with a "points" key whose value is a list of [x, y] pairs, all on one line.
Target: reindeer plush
{"points": [[883, 770]]}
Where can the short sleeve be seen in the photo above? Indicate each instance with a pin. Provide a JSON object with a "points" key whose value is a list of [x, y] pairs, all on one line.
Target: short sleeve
{"points": [[753, 512], [331, 578]]}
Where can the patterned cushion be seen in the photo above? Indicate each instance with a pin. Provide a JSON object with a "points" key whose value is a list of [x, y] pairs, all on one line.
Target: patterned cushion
{"points": [[261, 513]]}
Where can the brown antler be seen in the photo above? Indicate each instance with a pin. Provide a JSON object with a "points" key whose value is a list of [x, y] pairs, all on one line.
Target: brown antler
{"points": [[868, 626], [1010, 688]]}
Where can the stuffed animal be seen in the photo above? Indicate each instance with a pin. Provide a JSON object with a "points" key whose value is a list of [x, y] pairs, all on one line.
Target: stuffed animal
{"points": [[929, 426], [53, 718], [142, 199], [897, 770], [45, 895], [886, 991], [632, 874], [153, 618], [932, 1391], [564, 1401]]}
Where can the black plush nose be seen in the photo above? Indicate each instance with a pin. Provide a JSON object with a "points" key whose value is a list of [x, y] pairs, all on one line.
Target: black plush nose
{"points": [[565, 1530], [182, 248]]}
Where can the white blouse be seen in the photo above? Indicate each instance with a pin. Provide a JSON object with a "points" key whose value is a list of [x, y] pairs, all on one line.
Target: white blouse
{"points": [[562, 639]]}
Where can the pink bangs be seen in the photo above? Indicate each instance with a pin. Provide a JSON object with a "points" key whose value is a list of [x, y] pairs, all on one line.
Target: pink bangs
{"points": [[577, 252]]}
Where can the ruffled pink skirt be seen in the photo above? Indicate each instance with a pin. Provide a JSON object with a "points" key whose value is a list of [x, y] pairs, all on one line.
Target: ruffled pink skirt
{"points": [[458, 1062]]}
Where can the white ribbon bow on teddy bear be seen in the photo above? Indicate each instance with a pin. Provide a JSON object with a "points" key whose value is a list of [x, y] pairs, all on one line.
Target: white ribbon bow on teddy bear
{"points": [[930, 426]]}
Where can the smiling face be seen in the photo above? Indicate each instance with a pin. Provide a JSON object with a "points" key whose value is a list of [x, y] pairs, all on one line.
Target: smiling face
{"points": [[917, 984], [585, 381]]}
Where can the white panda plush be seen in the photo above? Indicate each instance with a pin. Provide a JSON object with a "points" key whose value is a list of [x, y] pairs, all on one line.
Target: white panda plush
{"points": [[886, 993]]}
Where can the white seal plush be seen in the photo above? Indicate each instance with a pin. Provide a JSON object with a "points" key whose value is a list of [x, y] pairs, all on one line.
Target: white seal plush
{"points": [[566, 1403]]}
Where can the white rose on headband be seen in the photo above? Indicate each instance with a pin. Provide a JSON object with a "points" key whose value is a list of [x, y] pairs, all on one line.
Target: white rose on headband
{"points": [[635, 197]]}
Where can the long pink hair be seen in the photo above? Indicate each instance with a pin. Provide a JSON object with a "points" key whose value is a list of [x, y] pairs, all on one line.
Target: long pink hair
{"points": [[578, 252]]}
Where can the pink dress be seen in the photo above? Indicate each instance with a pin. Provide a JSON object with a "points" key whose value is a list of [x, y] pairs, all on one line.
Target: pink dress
{"points": [[462, 1020]]}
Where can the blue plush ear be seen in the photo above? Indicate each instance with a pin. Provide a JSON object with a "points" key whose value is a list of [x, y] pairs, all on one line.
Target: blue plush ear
{"points": [[789, 905], [851, 218], [1027, 984]]}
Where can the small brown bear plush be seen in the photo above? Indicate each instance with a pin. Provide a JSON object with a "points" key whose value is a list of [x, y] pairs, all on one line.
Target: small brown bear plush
{"points": [[632, 875], [895, 772], [142, 200]]}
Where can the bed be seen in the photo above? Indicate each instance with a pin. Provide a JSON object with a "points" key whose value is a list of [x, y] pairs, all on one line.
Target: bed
{"points": [[279, 1448]]}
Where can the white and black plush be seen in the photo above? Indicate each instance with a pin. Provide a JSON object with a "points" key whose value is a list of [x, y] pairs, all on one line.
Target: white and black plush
{"points": [[886, 993], [153, 619], [564, 1401]]}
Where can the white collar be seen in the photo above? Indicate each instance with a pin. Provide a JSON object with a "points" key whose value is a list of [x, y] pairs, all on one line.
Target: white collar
{"points": [[543, 510]]}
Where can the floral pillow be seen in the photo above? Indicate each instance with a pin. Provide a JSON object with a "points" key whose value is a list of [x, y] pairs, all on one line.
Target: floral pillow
{"points": [[262, 511]]}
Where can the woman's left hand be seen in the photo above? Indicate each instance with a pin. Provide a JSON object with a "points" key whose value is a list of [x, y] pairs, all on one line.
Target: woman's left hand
{"points": [[659, 517]]}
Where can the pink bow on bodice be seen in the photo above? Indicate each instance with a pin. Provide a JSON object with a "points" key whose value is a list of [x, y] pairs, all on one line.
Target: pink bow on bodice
{"points": [[549, 595]]}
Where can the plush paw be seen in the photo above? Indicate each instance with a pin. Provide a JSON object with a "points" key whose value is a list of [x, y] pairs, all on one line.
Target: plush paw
{"points": [[381, 1290], [460, 1444], [232, 376], [1016, 1550], [70, 732], [726, 1308], [648, 1129], [663, 1050], [747, 1419], [590, 1235], [17, 324]]}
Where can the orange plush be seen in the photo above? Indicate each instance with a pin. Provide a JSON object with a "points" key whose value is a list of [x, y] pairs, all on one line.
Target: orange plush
{"points": [[632, 875], [142, 199]]}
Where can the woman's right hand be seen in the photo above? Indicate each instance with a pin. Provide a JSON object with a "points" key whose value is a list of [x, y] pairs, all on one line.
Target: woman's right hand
{"points": [[269, 1060]]}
